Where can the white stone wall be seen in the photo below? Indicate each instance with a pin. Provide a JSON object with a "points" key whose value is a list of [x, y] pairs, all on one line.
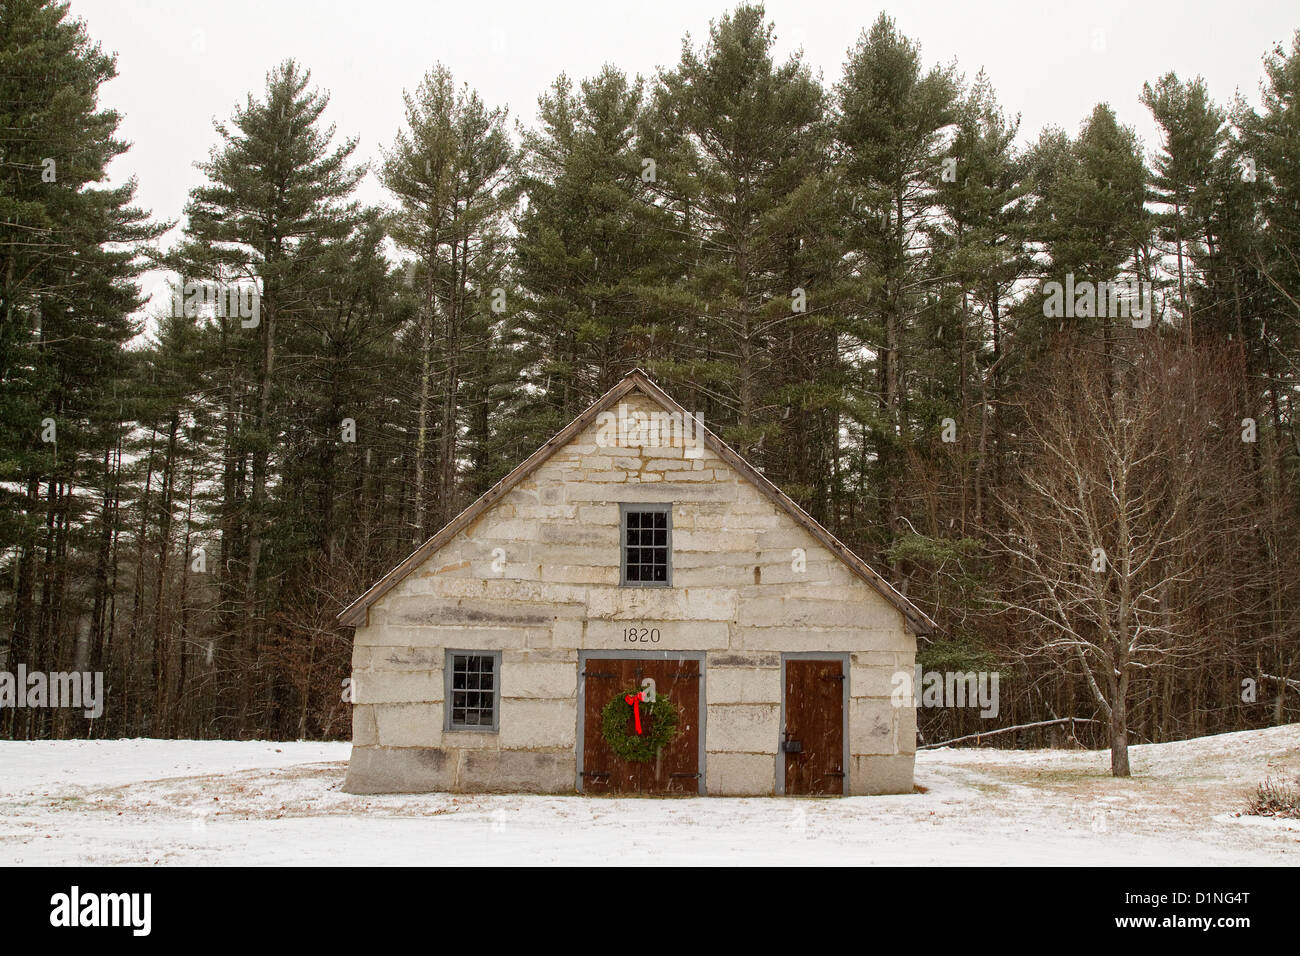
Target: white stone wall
{"points": [[554, 539]]}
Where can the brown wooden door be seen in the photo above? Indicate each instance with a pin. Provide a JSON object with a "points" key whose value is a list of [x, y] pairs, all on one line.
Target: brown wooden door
{"points": [[814, 726], [677, 770]]}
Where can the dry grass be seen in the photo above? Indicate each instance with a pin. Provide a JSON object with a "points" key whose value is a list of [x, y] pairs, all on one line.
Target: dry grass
{"points": [[1275, 798]]}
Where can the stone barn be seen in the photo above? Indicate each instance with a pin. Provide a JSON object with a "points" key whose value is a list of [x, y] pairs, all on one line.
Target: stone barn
{"points": [[634, 609]]}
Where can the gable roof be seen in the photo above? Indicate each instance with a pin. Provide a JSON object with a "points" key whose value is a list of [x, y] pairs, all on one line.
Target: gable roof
{"points": [[637, 380]]}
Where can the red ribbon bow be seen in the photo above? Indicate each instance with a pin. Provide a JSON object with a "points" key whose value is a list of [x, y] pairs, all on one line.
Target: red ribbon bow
{"points": [[635, 701]]}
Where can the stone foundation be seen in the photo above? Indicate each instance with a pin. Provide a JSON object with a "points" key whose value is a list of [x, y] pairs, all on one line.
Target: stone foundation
{"points": [[429, 769], [870, 776]]}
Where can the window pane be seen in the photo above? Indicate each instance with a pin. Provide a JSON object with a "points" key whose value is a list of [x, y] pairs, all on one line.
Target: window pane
{"points": [[646, 557], [473, 681]]}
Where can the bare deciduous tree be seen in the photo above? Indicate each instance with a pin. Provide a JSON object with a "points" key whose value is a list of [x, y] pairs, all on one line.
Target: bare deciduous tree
{"points": [[1112, 531]]}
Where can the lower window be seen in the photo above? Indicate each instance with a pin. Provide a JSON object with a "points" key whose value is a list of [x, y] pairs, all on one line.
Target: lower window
{"points": [[473, 684]]}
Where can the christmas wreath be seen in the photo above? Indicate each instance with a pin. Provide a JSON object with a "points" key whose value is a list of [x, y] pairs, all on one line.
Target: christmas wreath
{"points": [[654, 725]]}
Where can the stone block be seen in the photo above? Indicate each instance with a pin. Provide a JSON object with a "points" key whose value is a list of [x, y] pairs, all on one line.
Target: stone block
{"points": [[756, 637], [905, 730], [539, 679], [739, 775], [871, 726], [490, 528], [712, 577], [744, 685], [399, 770], [715, 542], [409, 725], [516, 771], [667, 464], [662, 604], [870, 775], [743, 728], [538, 724], [655, 493], [808, 612], [889, 660], [566, 633], [572, 534], [364, 731], [744, 659], [425, 613], [385, 658], [874, 681], [599, 514], [580, 574], [397, 687], [557, 655]]}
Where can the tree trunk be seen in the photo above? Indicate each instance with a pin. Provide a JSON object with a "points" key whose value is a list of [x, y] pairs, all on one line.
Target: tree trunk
{"points": [[1119, 736], [256, 501]]}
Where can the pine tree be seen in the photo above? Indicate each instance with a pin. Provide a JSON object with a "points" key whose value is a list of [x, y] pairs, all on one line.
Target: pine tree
{"points": [[1090, 216], [69, 252], [890, 130], [980, 248], [276, 188], [1265, 176], [741, 152], [1194, 136], [596, 254], [451, 171]]}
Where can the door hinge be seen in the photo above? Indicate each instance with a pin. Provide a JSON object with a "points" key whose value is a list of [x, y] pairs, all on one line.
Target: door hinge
{"points": [[597, 674], [832, 677], [594, 773], [834, 773], [689, 776]]}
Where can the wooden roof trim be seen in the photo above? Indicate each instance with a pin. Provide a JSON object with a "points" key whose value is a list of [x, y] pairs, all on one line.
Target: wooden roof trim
{"points": [[357, 613]]}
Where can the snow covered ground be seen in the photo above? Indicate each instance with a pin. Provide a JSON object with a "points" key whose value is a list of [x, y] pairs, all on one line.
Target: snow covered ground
{"points": [[220, 802]]}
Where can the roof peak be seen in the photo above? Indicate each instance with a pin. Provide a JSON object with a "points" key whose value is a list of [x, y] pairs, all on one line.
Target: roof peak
{"points": [[356, 612]]}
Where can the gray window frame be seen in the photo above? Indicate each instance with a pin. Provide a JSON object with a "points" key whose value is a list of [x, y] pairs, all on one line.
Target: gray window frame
{"points": [[624, 507], [447, 673]]}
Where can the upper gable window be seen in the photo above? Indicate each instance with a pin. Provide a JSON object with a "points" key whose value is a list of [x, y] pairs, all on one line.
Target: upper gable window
{"points": [[647, 545]]}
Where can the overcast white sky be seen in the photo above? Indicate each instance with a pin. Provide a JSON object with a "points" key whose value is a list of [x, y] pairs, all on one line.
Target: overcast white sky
{"points": [[182, 64]]}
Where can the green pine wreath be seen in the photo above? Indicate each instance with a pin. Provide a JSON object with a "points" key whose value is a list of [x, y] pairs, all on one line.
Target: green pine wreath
{"points": [[658, 721]]}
